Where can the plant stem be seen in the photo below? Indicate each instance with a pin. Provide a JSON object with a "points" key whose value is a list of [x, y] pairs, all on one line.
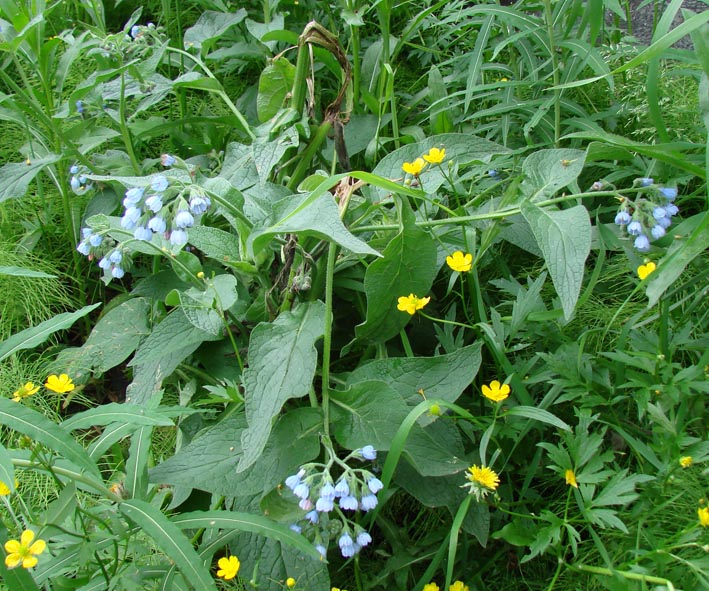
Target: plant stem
{"points": [[327, 339], [549, 18]]}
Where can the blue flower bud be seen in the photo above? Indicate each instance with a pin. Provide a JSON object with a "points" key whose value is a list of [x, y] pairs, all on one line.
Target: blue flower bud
{"points": [[84, 248], [671, 209], [345, 542], [74, 169], [95, 239], [375, 485], [157, 225], [669, 193], [134, 31], [142, 233], [178, 238], [117, 272], [313, 517], [115, 257], [327, 492], [74, 184], [296, 528], [133, 196], [659, 212], [349, 503], [642, 244], [342, 489], [183, 219], [493, 174], [645, 181], [104, 263], [321, 549], [363, 538], [154, 203], [324, 505], [634, 228], [159, 184], [167, 160], [293, 480], [79, 107], [622, 218], [657, 232], [302, 491], [368, 502], [368, 452], [86, 233]]}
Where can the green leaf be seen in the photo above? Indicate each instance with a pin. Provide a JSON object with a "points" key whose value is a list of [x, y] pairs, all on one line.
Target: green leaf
{"points": [[282, 363], [274, 84], [408, 266], [31, 337], [215, 243], [537, 414], [136, 481], [168, 537], [547, 171], [15, 178], [114, 412], [210, 460], [39, 428], [320, 217], [7, 470], [210, 26], [22, 272], [267, 155], [564, 237]]}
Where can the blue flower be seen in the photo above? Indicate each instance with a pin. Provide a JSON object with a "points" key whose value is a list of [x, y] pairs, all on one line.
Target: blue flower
{"points": [[135, 31], [665, 222], [342, 489], [296, 528], [84, 248], [321, 549], [669, 193], [645, 181], [74, 169], [671, 209], [154, 203], [183, 219], [117, 272], [313, 517], [346, 544], [368, 502], [634, 228], [368, 452], [133, 196], [657, 232], [305, 504], [327, 492], [375, 485], [349, 503], [199, 204], [167, 160], [104, 263], [75, 184], [159, 184], [95, 239], [178, 238], [302, 491], [622, 218], [493, 174], [363, 538], [130, 218], [659, 212], [80, 107], [142, 233], [115, 257], [158, 225], [293, 480], [86, 233], [642, 243], [324, 505]]}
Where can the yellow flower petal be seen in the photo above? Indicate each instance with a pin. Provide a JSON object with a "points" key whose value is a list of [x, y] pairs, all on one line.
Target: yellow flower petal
{"points": [[60, 384], [228, 567], [38, 547], [571, 478], [13, 560], [495, 391], [483, 476], [27, 537], [411, 303], [435, 156], [414, 168], [703, 514], [686, 461], [12, 546], [29, 561], [460, 262], [646, 269]]}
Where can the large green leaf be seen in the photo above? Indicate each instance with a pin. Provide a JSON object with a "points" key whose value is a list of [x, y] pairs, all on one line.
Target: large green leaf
{"points": [[282, 363], [302, 215], [210, 460], [31, 337], [129, 414], [40, 429], [22, 272], [547, 171], [168, 537], [267, 154], [215, 243], [274, 84], [16, 177], [564, 237], [408, 266], [210, 26]]}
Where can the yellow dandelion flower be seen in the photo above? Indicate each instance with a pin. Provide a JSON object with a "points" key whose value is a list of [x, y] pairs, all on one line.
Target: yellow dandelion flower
{"points": [[435, 156], [703, 514], [460, 262], [495, 391], [228, 567], [686, 461], [411, 303], [481, 481], [290, 582], [27, 390], [5, 489], [431, 587], [23, 551], [59, 384], [571, 478], [646, 269], [414, 167], [459, 586]]}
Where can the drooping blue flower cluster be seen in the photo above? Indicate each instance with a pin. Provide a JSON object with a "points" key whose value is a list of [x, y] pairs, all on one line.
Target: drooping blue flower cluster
{"points": [[649, 215], [78, 182], [325, 499]]}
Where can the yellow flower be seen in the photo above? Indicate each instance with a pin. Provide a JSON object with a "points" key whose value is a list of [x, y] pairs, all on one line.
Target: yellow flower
{"points": [[459, 586], [646, 269], [5, 489], [414, 167], [228, 567], [495, 391], [290, 582], [27, 390], [435, 156], [431, 587], [460, 262], [482, 481], [703, 514], [411, 303], [59, 384], [571, 478], [685, 461], [23, 552]]}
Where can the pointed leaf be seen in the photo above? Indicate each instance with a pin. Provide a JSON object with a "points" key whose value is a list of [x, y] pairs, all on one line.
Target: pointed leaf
{"points": [[16, 177], [129, 414], [547, 171], [210, 26]]}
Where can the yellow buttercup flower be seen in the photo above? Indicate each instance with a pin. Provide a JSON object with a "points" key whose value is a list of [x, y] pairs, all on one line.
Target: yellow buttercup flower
{"points": [[411, 303], [414, 167], [459, 586], [435, 156], [5, 489], [27, 390], [228, 567], [495, 391], [23, 551], [646, 269], [703, 514], [460, 262], [290, 582], [60, 384], [571, 478], [686, 461], [431, 587]]}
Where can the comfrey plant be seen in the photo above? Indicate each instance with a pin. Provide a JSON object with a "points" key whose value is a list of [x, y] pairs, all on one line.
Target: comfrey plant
{"points": [[649, 215], [326, 498], [160, 211]]}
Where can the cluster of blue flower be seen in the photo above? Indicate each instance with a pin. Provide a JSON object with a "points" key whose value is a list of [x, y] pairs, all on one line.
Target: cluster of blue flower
{"points": [[356, 489], [162, 208], [78, 182], [647, 217]]}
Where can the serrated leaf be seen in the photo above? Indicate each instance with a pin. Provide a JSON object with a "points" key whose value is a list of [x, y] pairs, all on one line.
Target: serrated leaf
{"points": [[547, 171], [408, 265], [15, 178], [282, 363], [39, 428], [564, 237], [31, 337], [168, 537], [114, 412]]}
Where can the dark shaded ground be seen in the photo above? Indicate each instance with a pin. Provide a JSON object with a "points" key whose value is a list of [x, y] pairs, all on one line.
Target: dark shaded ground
{"points": [[643, 17]]}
